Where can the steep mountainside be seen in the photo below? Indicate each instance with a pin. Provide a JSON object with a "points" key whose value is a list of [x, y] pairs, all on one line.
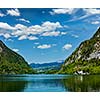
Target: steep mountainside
{"points": [[85, 58], [11, 62]]}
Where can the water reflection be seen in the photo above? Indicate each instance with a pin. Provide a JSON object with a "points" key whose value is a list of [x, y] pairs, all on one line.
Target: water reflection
{"points": [[9, 86], [45, 85], [49, 83], [82, 83]]}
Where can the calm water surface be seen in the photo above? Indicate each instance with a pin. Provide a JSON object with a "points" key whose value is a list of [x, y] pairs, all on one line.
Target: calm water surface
{"points": [[49, 83]]}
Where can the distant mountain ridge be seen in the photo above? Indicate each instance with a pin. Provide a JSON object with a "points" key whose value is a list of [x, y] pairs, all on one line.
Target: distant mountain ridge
{"points": [[37, 65], [12, 63], [85, 58], [44, 66]]}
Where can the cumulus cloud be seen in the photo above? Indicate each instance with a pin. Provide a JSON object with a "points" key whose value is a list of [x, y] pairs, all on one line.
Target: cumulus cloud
{"points": [[38, 29], [16, 50], [32, 38], [53, 33], [50, 26], [67, 46], [24, 20], [22, 37], [30, 32], [13, 12], [7, 35], [62, 11], [6, 26], [44, 46], [21, 27], [2, 15]]}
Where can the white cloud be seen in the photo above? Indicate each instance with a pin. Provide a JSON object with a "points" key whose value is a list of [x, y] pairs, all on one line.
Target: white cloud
{"points": [[22, 37], [2, 15], [10, 40], [36, 29], [95, 22], [7, 35], [53, 33], [17, 33], [63, 33], [44, 46], [50, 26], [29, 32], [13, 12], [91, 11], [67, 46], [32, 38], [24, 20], [87, 13], [46, 29], [6, 26], [74, 35], [16, 50], [21, 27], [62, 11], [78, 18]]}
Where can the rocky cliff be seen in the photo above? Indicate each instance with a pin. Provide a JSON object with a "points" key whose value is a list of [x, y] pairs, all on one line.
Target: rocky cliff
{"points": [[85, 58]]}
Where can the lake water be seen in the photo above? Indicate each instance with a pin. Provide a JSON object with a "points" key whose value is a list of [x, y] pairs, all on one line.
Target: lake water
{"points": [[49, 83]]}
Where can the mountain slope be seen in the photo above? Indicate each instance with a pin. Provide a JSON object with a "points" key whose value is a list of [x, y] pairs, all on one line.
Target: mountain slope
{"points": [[47, 67], [85, 58], [11, 62]]}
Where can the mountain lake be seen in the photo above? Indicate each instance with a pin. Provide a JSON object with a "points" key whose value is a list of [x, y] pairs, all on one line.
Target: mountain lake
{"points": [[49, 83]]}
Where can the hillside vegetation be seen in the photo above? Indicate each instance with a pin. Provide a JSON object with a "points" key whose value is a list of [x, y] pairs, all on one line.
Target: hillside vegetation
{"points": [[12, 63], [85, 58]]}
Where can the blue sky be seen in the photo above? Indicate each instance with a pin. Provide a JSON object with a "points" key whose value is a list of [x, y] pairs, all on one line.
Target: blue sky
{"points": [[47, 34]]}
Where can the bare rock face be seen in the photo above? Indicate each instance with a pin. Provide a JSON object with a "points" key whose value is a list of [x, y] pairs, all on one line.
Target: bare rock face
{"points": [[95, 55], [88, 51]]}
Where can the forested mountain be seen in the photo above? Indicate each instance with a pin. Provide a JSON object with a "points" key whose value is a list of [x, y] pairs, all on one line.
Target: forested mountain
{"points": [[47, 67], [85, 58], [12, 63]]}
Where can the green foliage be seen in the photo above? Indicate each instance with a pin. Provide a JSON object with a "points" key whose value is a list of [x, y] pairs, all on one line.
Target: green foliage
{"points": [[92, 67], [13, 63], [75, 63], [90, 83], [51, 71]]}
